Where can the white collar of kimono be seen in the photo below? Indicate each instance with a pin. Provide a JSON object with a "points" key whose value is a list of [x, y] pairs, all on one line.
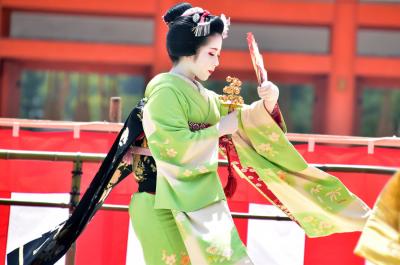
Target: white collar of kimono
{"points": [[193, 83]]}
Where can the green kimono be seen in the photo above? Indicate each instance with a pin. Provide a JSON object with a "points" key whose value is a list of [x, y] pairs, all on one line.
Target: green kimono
{"points": [[187, 161], [189, 190], [188, 219]]}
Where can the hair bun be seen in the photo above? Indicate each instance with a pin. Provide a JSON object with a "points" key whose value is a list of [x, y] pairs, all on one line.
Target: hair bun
{"points": [[176, 11]]}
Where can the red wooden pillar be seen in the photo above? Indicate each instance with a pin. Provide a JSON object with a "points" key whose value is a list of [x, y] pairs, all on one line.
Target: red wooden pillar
{"points": [[319, 111], [341, 94], [4, 30], [10, 89], [4, 67], [161, 61], [4, 21]]}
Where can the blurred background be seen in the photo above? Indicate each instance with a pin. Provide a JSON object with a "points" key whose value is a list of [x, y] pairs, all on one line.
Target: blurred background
{"points": [[336, 62]]}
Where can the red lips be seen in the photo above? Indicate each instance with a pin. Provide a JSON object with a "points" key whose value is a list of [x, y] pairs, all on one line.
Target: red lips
{"points": [[210, 71]]}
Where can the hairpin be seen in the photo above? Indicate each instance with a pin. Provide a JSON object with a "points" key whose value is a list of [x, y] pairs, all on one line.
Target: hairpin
{"points": [[203, 26]]}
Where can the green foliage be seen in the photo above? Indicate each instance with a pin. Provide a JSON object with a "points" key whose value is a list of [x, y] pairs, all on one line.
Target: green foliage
{"points": [[38, 98], [31, 102], [376, 112], [297, 101]]}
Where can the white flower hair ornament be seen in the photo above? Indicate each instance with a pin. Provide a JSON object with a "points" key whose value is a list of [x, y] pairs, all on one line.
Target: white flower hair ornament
{"points": [[227, 23]]}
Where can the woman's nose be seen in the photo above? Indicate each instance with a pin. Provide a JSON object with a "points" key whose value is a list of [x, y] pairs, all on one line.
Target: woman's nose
{"points": [[216, 62]]}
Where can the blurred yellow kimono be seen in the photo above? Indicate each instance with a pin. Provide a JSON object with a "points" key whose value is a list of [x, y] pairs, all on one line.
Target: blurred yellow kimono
{"points": [[380, 239]]}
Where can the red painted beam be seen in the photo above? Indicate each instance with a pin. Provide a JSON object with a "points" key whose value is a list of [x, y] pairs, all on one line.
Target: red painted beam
{"points": [[379, 15], [380, 82], [377, 67], [115, 7], [269, 11], [72, 52], [272, 11], [76, 52]]}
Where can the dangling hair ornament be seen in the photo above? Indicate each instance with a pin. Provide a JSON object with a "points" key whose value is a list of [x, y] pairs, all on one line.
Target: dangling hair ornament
{"points": [[227, 23], [203, 27]]}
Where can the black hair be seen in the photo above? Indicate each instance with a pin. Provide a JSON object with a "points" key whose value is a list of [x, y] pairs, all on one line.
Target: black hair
{"points": [[181, 40]]}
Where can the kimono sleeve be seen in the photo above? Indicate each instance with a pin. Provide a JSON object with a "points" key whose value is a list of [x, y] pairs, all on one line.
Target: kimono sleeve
{"points": [[179, 152], [266, 136]]}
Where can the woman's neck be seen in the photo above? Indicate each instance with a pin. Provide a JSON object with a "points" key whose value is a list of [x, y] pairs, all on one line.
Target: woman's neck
{"points": [[183, 71]]}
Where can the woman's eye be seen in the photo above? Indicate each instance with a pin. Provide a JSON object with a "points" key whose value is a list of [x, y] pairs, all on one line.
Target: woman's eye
{"points": [[212, 54]]}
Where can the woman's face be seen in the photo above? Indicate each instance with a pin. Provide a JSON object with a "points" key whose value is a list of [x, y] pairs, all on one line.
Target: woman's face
{"points": [[207, 58]]}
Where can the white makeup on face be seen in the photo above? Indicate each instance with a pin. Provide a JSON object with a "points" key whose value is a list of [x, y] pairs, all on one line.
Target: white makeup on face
{"points": [[201, 65], [207, 58]]}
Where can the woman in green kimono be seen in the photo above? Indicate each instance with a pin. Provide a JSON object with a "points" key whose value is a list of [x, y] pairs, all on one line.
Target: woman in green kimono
{"points": [[183, 217], [186, 219]]}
